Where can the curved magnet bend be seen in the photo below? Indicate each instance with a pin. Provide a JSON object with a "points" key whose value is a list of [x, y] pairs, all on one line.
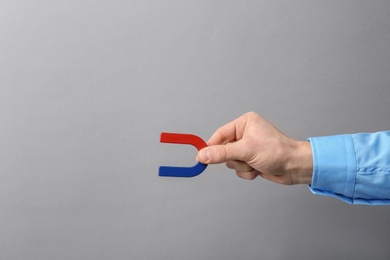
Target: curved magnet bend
{"points": [[174, 138]]}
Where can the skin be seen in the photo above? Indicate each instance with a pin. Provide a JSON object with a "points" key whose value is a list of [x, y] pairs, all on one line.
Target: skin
{"points": [[253, 147]]}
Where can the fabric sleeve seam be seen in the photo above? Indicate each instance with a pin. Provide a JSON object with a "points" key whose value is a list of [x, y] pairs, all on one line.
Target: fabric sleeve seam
{"points": [[355, 170]]}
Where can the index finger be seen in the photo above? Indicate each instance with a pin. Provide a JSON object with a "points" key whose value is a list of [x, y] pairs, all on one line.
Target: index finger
{"points": [[230, 132]]}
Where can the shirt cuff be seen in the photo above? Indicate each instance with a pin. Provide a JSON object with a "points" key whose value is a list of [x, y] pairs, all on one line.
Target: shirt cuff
{"points": [[334, 166]]}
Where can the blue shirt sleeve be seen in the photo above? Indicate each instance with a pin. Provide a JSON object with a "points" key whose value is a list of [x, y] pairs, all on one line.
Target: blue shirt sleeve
{"points": [[354, 168]]}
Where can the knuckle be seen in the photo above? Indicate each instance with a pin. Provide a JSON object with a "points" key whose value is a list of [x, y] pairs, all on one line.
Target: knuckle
{"points": [[222, 153]]}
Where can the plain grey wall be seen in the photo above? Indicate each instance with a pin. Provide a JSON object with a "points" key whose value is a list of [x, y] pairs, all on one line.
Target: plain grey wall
{"points": [[86, 87]]}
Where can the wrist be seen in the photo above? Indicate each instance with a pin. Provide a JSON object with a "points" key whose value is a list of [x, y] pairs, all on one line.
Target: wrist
{"points": [[302, 169]]}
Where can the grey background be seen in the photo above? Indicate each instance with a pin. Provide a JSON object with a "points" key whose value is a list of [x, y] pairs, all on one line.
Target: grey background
{"points": [[86, 87]]}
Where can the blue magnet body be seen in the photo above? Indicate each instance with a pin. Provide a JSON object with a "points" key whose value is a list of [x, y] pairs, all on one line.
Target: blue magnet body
{"points": [[170, 171]]}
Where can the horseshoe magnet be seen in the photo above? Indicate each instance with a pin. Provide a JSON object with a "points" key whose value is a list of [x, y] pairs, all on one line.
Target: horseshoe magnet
{"points": [[175, 138]]}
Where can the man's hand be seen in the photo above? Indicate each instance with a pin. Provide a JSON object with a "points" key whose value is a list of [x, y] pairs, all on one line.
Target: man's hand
{"points": [[252, 146]]}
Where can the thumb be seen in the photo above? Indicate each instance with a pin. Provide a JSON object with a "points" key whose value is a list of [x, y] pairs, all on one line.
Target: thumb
{"points": [[219, 153]]}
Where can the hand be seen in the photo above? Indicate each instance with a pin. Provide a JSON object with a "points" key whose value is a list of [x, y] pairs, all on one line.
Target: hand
{"points": [[253, 147]]}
